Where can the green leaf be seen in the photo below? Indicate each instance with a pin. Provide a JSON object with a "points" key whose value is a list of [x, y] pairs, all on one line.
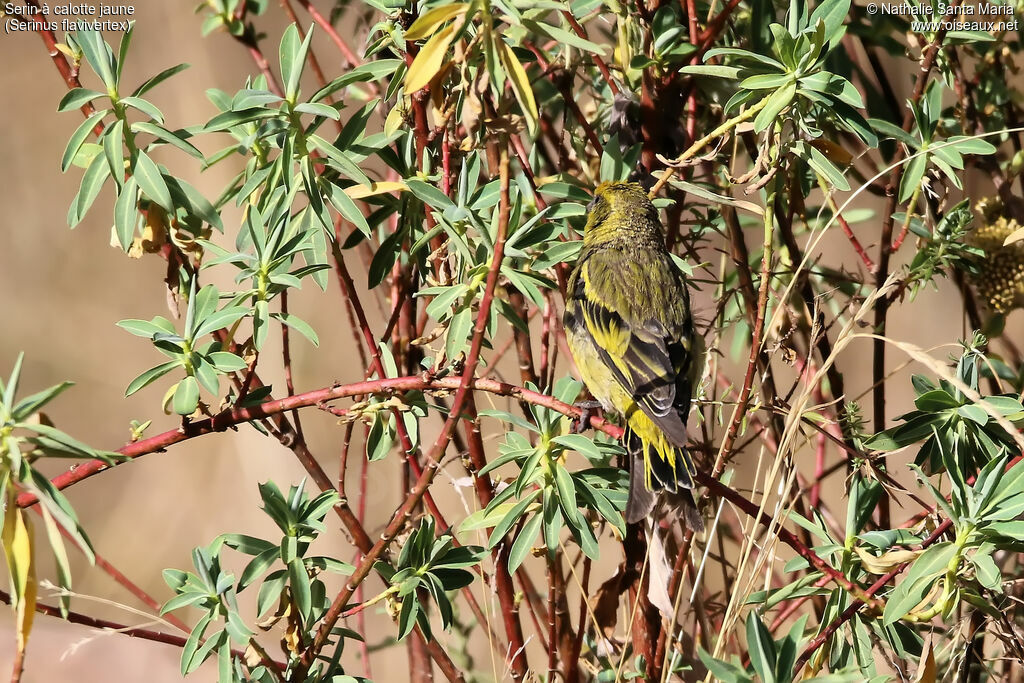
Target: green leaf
{"points": [[317, 109], [344, 205], [511, 518], [765, 81], [523, 543], [820, 163], [113, 150], [147, 329], [973, 412], [122, 50], [77, 138], [890, 130], [249, 98], [485, 518], [723, 671], [834, 14], [428, 194], [176, 138], [99, 56], [158, 79], [407, 616], [31, 404], [150, 376], [145, 107], [935, 401], [125, 213], [563, 36], [440, 307], [299, 325], [885, 539], [370, 71], [986, 571], [184, 195], [186, 396], [151, 181], [227, 362], [92, 182], [225, 317], [713, 70], [298, 581], [341, 160], [912, 176], [230, 119], [77, 98], [567, 495], [583, 445], [777, 102], [915, 585], [293, 59], [56, 440], [761, 647], [969, 145]]}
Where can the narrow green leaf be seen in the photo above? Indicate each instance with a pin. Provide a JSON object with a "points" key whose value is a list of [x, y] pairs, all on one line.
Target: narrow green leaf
{"points": [[298, 581], [99, 56], [911, 590], [92, 182], [125, 213], [176, 138], [147, 108], [158, 79], [777, 102], [293, 59], [523, 543], [31, 404], [77, 138], [299, 325], [77, 98], [151, 181], [761, 648], [912, 176]]}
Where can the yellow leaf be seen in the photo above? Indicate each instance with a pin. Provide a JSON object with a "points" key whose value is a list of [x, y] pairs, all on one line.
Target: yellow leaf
{"points": [[429, 59], [926, 665], [428, 22], [1015, 236], [17, 541], [395, 119], [27, 610], [383, 187], [885, 562], [520, 83]]}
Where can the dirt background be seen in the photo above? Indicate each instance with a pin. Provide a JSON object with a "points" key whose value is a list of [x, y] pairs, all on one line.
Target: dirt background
{"points": [[62, 291]]}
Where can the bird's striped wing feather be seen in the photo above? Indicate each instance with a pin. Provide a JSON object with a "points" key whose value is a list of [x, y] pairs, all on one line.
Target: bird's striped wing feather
{"points": [[645, 356]]}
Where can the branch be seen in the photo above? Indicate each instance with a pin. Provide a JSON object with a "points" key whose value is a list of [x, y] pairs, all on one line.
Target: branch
{"points": [[462, 397]]}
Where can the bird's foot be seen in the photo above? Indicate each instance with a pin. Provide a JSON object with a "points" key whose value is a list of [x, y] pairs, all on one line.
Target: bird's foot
{"points": [[587, 410]]}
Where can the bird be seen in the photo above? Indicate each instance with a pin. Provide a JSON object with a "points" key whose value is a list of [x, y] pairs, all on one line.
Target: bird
{"points": [[628, 326]]}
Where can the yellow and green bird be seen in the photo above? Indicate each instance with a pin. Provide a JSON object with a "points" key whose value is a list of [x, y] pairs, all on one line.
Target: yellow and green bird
{"points": [[628, 325]]}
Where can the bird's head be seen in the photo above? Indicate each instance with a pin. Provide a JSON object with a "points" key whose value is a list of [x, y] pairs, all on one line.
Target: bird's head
{"points": [[621, 210]]}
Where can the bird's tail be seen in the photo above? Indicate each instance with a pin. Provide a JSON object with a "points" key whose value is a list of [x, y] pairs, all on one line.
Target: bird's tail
{"points": [[660, 469]]}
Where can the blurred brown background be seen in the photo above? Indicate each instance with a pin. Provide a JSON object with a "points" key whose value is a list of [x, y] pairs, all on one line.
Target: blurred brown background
{"points": [[62, 291]]}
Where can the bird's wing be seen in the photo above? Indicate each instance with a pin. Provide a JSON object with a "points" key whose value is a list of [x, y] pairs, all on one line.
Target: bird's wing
{"points": [[645, 346]]}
